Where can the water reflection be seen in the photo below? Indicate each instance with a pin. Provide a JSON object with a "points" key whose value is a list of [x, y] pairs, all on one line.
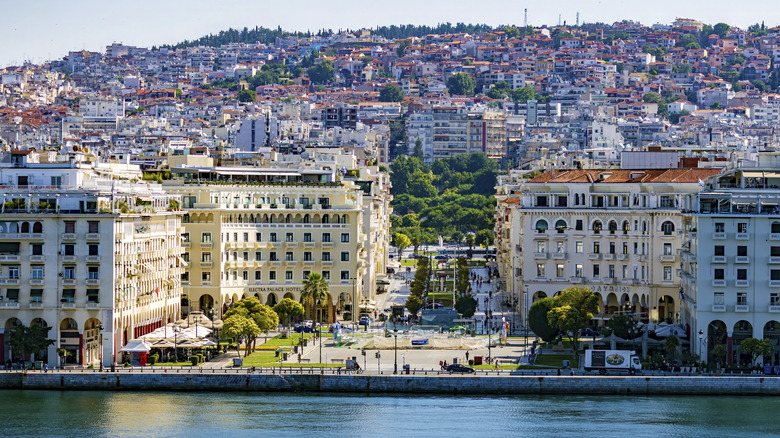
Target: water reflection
{"points": [[87, 414]]}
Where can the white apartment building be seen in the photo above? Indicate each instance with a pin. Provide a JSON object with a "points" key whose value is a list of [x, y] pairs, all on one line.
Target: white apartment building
{"points": [[616, 232], [86, 252], [261, 232], [731, 261]]}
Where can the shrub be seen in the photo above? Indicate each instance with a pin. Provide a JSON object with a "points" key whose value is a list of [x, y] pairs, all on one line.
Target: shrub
{"points": [[194, 360], [152, 359], [127, 365], [471, 362]]}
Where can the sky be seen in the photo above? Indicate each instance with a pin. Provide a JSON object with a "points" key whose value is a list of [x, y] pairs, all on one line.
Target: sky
{"points": [[39, 30]]}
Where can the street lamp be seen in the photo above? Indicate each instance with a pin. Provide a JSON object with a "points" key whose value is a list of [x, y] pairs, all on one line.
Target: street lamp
{"points": [[395, 351], [176, 331], [317, 331], [490, 325], [701, 346], [100, 344]]}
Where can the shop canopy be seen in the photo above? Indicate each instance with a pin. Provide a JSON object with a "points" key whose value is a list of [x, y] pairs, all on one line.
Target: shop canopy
{"points": [[137, 346]]}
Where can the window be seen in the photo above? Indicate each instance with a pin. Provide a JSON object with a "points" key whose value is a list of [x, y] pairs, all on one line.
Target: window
{"points": [[541, 226], [288, 237], [578, 271], [560, 247], [93, 226], [307, 237], [667, 228], [667, 273], [611, 271], [625, 271], [775, 251], [36, 272], [344, 256], [774, 299], [288, 275], [611, 247], [541, 246], [720, 250], [666, 202], [246, 256], [68, 295], [326, 256], [625, 248], [205, 277], [93, 250], [185, 237], [246, 237], [720, 227], [272, 256], [718, 299], [205, 237], [741, 274], [37, 249], [612, 227], [741, 299], [205, 257], [344, 237], [742, 227], [272, 238], [307, 256], [559, 270], [775, 227], [540, 270], [597, 227], [596, 247], [70, 226], [578, 225], [561, 226], [258, 276], [344, 275], [258, 256], [326, 237], [258, 237], [720, 274], [36, 295], [70, 249], [69, 273], [13, 272], [578, 247], [288, 256], [541, 201], [246, 275], [326, 275], [186, 257], [306, 275], [667, 249], [272, 275], [596, 271], [742, 251], [235, 237]]}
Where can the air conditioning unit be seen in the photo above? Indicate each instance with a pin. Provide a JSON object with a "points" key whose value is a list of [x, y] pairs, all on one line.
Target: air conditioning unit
{"points": [[60, 274]]}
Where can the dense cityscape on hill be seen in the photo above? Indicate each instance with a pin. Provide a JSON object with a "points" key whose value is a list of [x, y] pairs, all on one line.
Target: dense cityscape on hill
{"points": [[142, 184]]}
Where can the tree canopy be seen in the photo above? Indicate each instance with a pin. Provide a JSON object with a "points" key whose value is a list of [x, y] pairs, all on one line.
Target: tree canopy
{"points": [[288, 309], [240, 328], [461, 84], [537, 320], [391, 93], [315, 290], [28, 340], [572, 309], [322, 72]]}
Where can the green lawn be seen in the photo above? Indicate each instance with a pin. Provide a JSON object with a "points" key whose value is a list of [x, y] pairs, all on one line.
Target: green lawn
{"points": [[173, 364], [269, 359], [294, 338], [555, 360]]}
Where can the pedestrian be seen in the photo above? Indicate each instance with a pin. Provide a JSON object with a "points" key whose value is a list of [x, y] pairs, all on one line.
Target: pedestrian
{"points": [[45, 368], [467, 356]]}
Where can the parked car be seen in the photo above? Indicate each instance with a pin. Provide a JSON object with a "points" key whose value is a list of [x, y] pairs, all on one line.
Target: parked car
{"points": [[430, 306], [364, 321], [458, 368], [442, 257], [304, 329], [589, 332], [308, 323]]}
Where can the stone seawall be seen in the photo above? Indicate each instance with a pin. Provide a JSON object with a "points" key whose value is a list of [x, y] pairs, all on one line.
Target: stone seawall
{"points": [[628, 385]]}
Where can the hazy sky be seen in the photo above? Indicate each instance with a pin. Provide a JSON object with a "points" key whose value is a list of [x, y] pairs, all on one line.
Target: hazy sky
{"points": [[39, 30]]}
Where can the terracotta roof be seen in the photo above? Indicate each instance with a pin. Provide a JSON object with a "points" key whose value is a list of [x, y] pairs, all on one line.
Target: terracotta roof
{"points": [[624, 176]]}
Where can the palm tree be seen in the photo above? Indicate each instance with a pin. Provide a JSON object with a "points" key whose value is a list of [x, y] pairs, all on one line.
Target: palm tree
{"points": [[315, 289]]}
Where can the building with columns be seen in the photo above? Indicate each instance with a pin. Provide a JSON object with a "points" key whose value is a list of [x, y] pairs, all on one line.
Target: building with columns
{"points": [[86, 251], [617, 232]]}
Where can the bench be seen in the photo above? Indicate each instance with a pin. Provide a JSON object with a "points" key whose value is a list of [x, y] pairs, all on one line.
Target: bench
{"points": [[303, 359]]}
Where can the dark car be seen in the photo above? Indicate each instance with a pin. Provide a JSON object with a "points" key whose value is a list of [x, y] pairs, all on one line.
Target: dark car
{"points": [[458, 368], [442, 257], [589, 332], [431, 306], [364, 321], [304, 329]]}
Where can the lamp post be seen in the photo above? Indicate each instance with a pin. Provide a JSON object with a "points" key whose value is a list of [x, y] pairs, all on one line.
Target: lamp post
{"points": [[525, 310], [395, 351], [490, 324], [176, 330], [100, 345], [701, 345], [317, 331]]}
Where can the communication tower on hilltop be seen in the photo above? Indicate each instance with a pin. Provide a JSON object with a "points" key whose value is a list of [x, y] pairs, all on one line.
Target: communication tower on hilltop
{"points": [[525, 19], [578, 18]]}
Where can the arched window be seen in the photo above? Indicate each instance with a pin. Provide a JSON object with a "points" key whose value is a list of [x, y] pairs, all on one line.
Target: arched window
{"points": [[37, 227], [597, 227], [644, 227], [667, 227], [561, 225], [775, 227], [288, 219], [306, 219], [541, 226], [612, 227], [25, 227], [626, 227], [325, 219]]}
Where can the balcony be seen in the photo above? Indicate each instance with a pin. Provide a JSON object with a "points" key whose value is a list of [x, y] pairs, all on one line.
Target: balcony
{"points": [[774, 260], [36, 281], [774, 236], [622, 257], [93, 281], [540, 255], [594, 256], [206, 244], [36, 258], [92, 305], [68, 305], [12, 281], [718, 259], [10, 258], [774, 283], [743, 236], [668, 258], [610, 280], [69, 259], [9, 305], [575, 280], [21, 236], [718, 307], [69, 236], [36, 305], [93, 259], [742, 283], [774, 309], [206, 265], [742, 259], [559, 256], [68, 281], [309, 244], [719, 283], [93, 236], [609, 256], [718, 236]]}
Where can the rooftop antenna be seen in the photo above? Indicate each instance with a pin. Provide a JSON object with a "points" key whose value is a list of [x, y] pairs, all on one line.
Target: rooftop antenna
{"points": [[525, 20], [578, 18]]}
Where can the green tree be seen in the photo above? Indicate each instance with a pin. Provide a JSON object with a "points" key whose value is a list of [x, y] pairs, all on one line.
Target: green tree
{"points": [[538, 322], [391, 93], [622, 325], [322, 72], [315, 291], [466, 305], [241, 329], [572, 309], [523, 94], [418, 150], [402, 48], [287, 309], [663, 110], [461, 84], [756, 347], [401, 242], [484, 238], [28, 340], [246, 96], [715, 105], [463, 273], [671, 343], [719, 353], [413, 304], [266, 319], [721, 29], [420, 281]]}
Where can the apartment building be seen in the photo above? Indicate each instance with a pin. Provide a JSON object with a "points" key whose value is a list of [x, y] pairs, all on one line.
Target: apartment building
{"points": [[261, 232], [731, 261], [616, 232], [87, 252]]}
